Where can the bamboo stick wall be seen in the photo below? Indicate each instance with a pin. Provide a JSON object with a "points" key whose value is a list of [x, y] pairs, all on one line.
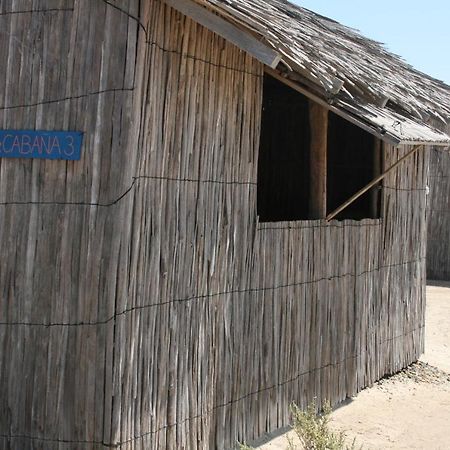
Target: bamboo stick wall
{"points": [[143, 304], [438, 252]]}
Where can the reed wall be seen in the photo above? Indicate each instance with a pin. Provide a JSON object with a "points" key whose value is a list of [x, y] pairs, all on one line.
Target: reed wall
{"points": [[143, 305], [64, 226], [438, 252]]}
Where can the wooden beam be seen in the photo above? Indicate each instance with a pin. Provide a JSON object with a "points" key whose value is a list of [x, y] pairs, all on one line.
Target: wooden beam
{"points": [[337, 85], [386, 138], [318, 118], [375, 194], [228, 31], [371, 184]]}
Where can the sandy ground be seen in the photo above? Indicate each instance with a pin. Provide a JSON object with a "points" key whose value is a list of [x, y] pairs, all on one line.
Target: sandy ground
{"points": [[410, 410]]}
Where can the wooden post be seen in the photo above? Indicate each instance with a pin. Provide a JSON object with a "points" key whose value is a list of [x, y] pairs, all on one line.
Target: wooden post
{"points": [[375, 194], [318, 118]]}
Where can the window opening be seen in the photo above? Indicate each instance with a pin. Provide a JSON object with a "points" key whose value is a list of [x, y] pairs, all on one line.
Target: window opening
{"points": [[353, 161], [283, 162], [287, 164]]}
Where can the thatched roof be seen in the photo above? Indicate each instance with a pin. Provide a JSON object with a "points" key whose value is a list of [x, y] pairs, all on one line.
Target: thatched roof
{"points": [[376, 86]]}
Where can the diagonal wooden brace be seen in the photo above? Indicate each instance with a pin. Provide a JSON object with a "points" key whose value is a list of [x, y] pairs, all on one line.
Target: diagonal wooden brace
{"points": [[371, 184]]}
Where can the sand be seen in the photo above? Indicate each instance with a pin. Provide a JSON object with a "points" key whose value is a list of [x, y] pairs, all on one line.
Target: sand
{"points": [[410, 410]]}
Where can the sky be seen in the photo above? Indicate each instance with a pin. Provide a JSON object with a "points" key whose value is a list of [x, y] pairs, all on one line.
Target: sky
{"points": [[417, 31]]}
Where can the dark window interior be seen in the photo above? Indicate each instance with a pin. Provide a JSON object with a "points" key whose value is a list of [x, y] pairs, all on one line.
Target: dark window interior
{"points": [[284, 160], [283, 163], [350, 167]]}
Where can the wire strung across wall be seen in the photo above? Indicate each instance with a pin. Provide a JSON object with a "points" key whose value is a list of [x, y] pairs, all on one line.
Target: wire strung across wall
{"points": [[33, 11], [183, 55], [172, 179], [122, 89], [293, 379], [207, 296]]}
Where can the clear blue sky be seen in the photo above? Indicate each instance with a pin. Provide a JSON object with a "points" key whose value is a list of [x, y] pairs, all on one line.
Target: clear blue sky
{"points": [[417, 31]]}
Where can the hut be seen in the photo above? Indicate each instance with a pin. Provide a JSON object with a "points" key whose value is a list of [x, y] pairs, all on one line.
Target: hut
{"points": [[438, 210], [193, 272]]}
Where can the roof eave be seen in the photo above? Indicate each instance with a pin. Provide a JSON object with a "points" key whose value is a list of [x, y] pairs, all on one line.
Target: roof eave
{"points": [[427, 143]]}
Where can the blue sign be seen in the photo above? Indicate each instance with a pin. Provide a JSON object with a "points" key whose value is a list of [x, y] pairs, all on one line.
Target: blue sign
{"points": [[40, 144]]}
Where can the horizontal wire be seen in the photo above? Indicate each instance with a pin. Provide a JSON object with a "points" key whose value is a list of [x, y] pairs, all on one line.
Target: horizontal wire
{"points": [[293, 379], [127, 191], [57, 441], [182, 180], [31, 11], [130, 89], [205, 61], [204, 297], [64, 99], [403, 189], [176, 52], [48, 203], [274, 386], [195, 180]]}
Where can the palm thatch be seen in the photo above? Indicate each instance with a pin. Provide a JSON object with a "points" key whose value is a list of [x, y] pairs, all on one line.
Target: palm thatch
{"points": [[373, 84]]}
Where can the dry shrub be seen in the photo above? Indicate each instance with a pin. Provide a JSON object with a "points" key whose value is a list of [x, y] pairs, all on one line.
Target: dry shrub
{"points": [[312, 430]]}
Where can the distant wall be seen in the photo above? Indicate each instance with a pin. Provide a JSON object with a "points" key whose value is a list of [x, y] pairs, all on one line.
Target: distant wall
{"points": [[438, 252], [143, 306]]}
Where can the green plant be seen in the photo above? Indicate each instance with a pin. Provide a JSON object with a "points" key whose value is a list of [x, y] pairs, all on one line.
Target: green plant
{"points": [[313, 431], [244, 447]]}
